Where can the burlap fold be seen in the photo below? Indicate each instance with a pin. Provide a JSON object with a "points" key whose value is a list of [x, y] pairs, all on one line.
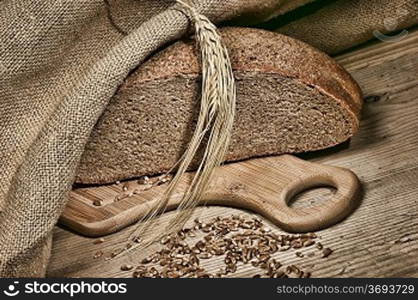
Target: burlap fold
{"points": [[60, 63], [347, 23]]}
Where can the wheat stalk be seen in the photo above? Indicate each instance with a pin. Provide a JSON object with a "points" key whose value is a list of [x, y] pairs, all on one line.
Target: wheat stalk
{"points": [[215, 121]]}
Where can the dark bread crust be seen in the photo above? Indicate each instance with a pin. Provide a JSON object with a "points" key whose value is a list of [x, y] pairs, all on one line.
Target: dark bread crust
{"points": [[256, 50], [277, 76]]}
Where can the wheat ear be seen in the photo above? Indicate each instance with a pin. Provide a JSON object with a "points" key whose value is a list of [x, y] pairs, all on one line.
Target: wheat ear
{"points": [[215, 121]]}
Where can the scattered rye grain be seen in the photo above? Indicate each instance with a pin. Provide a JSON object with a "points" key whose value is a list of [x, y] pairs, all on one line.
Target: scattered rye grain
{"points": [[326, 252], [99, 241], [235, 240], [98, 254], [98, 202], [126, 267]]}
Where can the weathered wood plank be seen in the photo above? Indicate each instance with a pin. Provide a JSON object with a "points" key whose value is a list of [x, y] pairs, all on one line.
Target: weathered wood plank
{"points": [[384, 155]]}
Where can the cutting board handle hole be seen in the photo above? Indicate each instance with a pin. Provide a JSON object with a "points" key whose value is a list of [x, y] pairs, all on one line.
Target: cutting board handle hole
{"points": [[313, 196]]}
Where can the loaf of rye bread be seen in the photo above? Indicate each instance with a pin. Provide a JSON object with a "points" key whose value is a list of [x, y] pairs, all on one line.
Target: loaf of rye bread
{"points": [[290, 98]]}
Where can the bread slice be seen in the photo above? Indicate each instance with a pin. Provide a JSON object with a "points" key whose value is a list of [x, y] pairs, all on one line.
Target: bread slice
{"points": [[290, 98]]}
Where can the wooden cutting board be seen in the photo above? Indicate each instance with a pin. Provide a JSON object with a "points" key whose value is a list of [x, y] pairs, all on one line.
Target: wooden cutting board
{"points": [[263, 185]]}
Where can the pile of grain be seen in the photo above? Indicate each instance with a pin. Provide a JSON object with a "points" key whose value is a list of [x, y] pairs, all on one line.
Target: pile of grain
{"points": [[235, 240]]}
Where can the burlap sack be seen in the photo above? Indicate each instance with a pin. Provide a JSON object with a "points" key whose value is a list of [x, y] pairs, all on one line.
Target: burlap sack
{"points": [[347, 23], [60, 62], [260, 11]]}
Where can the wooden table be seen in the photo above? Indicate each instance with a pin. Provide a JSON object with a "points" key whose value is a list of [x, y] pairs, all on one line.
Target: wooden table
{"points": [[380, 239]]}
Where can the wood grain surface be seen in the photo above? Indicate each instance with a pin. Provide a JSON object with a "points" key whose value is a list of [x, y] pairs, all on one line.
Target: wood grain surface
{"points": [[380, 239], [263, 185]]}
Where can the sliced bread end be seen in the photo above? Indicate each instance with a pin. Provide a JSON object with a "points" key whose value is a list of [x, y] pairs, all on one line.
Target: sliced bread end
{"points": [[149, 121]]}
